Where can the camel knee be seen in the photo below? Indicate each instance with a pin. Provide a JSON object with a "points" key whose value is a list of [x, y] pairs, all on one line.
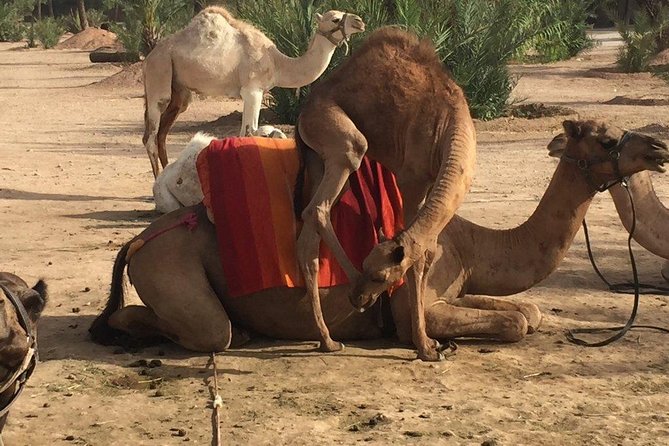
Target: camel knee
{"points": [[513, 326], [216, 340]]}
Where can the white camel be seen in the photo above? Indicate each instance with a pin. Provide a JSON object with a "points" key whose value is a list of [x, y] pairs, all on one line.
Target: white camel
{"points": [[218, 55], [178, 185]]}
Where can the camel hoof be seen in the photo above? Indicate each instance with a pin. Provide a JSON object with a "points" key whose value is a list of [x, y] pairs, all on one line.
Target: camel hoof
{"points": [[331, 346], [431, 355]]}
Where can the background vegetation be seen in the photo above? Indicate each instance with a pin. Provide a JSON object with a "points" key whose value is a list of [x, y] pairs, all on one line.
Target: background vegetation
{"points": [[476, 39]]}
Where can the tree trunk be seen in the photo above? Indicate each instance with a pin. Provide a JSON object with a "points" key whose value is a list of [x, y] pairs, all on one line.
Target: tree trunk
{"points": [[83, 20], [50, 3], [39, 9]]}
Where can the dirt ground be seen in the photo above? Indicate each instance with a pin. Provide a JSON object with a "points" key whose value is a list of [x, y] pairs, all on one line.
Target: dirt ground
{"points": [[75, 184]]}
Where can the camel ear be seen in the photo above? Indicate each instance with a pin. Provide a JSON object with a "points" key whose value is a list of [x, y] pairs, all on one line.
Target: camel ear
{"points": [[381, 236], [573, 129], [397, 255], [318, 17]]}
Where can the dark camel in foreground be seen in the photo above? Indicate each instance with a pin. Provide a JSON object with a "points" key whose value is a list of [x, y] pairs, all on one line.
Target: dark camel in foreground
{"points": [[16, 348], [394, 102], [186, 299], [651, 229]]}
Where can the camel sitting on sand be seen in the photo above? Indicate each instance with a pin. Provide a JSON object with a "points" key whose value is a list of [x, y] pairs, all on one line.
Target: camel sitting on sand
{"points": [[394, 102], [178, 184], [218, 55], [22, 307], [651, 229], [186, 299]]}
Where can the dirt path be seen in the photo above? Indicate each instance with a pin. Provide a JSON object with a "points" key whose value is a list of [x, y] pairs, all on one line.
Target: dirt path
{"points": [[75, 184]]}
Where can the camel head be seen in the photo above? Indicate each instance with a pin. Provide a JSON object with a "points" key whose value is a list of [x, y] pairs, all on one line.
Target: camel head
{"points": [[607, 152], [385, 266], [14, 344], [337, 26]]}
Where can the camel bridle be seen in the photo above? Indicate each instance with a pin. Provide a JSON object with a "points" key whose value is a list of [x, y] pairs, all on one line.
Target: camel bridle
{"points": [[613, 157], [25, 370], [341, 26]]}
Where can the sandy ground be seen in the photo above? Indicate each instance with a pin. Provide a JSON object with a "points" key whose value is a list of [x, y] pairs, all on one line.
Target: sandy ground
{"points": [[75, 184]]}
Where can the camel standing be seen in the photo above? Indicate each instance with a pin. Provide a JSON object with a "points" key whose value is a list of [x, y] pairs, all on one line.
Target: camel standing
{"points": [[186, 298], [651, 229], [394, 102], [218, 55]]}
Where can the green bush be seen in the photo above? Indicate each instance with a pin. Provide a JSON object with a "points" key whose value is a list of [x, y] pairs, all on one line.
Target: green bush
{"points": [[474, 38], [48, 31], [147, 21], [11, 19], [95, 19], [564, 30]]}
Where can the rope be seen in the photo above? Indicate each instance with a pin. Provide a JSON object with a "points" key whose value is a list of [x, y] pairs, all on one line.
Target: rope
{"points": [[217, 403], [617, 288]]}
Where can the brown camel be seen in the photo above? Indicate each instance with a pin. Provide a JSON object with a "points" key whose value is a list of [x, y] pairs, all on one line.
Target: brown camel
{"points": [[219, 55], [651, 230], [186, 299], [394, 102], [17, 349]]}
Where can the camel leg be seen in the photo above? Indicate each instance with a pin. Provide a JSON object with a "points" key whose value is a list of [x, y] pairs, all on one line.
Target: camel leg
{"points": [[345, 146], [252, 102], [185, 310], [178, 104], [445, 321], [529, 310], [428, 349], [157, 96]]}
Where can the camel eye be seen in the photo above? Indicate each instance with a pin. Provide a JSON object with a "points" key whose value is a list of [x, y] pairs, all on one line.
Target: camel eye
{"points": [[609, 144]]}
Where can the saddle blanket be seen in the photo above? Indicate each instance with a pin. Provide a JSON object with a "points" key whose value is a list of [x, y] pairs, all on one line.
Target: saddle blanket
{"points": [[248, 185]]}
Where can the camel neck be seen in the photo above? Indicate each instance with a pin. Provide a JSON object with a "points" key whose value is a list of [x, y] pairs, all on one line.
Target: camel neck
{"points": [[503, 262], [295, 72], [457, 153], [652, 217]]}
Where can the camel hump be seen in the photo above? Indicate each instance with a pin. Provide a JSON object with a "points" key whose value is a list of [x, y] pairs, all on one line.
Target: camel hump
{"points": [[421, 50]]}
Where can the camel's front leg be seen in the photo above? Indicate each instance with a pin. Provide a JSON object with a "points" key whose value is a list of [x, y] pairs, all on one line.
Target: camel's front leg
{"points": [[252, 98], [446, 321], [317, 223], [529, 310], [428, 349]]}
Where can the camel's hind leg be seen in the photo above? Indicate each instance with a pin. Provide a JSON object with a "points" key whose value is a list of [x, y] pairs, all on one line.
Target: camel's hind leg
{"points": [[341, 146], [181, 97], [445, 321], [185, 310], [529, 310], [157, 97]]}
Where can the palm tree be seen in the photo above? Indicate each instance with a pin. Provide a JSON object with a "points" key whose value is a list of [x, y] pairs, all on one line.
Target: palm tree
{"points": [[83, 20]]}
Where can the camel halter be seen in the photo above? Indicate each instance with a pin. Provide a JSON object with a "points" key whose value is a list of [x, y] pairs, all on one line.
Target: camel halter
{"points": [[341, 26], [635, 286], [614, 157], [25, 370]]}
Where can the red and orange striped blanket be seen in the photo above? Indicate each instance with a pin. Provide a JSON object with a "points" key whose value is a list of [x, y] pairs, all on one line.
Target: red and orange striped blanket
{"points": [[248, 184]]}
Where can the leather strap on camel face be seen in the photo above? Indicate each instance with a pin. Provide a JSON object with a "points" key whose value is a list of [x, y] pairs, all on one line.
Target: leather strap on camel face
{"points": [[21, 375], [614, 157], [341, 26]]}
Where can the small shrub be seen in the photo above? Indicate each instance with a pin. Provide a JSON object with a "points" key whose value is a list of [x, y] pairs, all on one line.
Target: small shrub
{"points": [[639, 43], [95, 19], [563, 30], [48, 31], [11, 19]]}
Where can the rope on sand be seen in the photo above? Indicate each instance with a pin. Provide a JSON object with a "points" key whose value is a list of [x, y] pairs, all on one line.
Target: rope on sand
{"points": [[217, 403]]}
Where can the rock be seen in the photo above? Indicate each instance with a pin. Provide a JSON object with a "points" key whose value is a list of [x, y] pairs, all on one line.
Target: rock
{"points": [[69, 438], [159, 393], [139, 363], [414, 434], [155, 363], [491, 442], [178, 432], [76, 310]]}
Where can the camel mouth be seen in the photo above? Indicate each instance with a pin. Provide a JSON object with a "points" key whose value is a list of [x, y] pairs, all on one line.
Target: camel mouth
{"points": [[658, 158], [555, 153], [360, 26]]}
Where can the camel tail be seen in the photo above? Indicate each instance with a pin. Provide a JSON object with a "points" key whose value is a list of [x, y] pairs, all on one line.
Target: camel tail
{"points": [[100, 330]]}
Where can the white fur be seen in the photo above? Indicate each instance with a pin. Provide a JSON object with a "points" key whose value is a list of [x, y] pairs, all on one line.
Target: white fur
{"points": [[178, 185]]}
